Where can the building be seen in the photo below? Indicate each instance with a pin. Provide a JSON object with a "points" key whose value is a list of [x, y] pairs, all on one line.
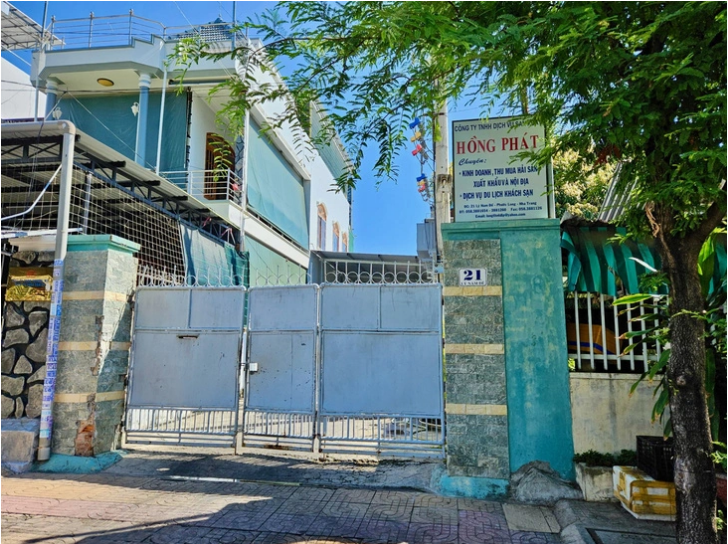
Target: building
{"points": [[115, 82]]}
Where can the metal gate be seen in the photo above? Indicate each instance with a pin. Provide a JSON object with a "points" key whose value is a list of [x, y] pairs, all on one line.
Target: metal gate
{"points": [[346, 368], [281, 380], [184, 385]]}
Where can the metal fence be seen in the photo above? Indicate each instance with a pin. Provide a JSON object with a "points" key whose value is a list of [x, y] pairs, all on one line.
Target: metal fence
{"points": [[209, 185], [122, 30], [346, 270], [596, 334]]}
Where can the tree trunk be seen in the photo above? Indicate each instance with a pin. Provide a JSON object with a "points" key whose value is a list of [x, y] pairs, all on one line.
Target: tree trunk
{"points": [[694, 472]]}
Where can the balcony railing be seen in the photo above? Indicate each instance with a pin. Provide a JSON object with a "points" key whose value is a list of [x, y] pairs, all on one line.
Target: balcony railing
{"points": [[209, 185], [122, 30]]}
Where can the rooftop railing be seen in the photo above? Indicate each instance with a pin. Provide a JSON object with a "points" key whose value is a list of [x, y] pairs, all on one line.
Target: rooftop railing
{"points": [[122, 30]]}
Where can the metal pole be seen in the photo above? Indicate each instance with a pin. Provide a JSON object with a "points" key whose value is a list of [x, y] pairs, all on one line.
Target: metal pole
{"points": [[87, 203], [443, 182], [54, 319], [161, 117], [41, 55]]}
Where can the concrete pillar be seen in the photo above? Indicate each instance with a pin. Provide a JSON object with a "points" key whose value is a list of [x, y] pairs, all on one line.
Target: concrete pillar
{"points": [[93, 351], [51, 96], [145, 81], [507, 378]]}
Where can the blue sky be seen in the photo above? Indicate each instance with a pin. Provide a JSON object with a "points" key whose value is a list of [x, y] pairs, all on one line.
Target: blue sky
{"points": [[384, 218]]}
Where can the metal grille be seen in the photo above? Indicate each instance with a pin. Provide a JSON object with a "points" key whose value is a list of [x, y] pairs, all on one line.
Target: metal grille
{"points": [[376, 272], [97, 207]]}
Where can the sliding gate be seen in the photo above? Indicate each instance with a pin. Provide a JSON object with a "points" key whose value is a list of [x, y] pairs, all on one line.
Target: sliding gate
{"points": [[346, 368]]}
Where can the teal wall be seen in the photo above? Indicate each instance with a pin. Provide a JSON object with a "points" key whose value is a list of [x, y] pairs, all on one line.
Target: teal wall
{"points": [[537, 376], [270, 268], [275, 191], [109, 119]]}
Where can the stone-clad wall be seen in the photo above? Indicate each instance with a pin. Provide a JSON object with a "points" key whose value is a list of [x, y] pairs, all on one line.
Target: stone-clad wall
{"points": [[24, 341], [477, 422]]}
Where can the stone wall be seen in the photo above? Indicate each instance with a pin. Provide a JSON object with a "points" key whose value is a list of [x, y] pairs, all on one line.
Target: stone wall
{"points": [[24, 342]]}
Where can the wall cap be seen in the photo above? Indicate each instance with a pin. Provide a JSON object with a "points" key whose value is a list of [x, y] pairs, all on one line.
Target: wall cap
{"points": [[101, 242], [472, 227]]}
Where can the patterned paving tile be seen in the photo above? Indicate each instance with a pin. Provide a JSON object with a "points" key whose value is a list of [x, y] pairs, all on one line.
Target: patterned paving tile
{"points": [[247, 521], [353, 495], [312, 494], [288, 523], [292, 506], [523, 537], [471, 518], [330, 526], [427, 500], [384, 532], [470, 534], [478, 505], [432, 533], [435, 514], [398, 511], [392, 497], [345, 509]]}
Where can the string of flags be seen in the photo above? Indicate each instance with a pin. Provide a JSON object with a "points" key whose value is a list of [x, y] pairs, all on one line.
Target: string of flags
{"points": [[420, 151]]}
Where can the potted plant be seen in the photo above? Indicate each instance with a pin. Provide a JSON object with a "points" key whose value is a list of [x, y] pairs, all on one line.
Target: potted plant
{"points": [[594, 473]]}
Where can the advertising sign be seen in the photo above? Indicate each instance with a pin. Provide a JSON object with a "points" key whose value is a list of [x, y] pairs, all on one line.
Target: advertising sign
{"points": [[490, 183]]}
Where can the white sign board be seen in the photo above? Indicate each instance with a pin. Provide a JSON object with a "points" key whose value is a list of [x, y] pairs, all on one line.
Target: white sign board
{"points": [[473, 276], [490, 184]]}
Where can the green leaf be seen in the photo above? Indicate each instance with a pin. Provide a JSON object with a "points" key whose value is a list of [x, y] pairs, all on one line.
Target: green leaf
{"points": [[631, 299]]}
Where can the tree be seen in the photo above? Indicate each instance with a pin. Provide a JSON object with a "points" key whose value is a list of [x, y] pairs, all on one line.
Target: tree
{"points": [[580, 188], [643, 83]]}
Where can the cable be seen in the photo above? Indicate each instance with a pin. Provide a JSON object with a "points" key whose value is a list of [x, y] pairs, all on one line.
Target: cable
{"points": [[37, 199]]}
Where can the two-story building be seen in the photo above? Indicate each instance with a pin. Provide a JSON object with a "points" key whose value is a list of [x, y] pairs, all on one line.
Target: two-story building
{"points": [[116, 79]]}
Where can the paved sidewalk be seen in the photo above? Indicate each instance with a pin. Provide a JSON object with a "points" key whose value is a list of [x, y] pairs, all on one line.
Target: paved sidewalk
{"points": [[109, 508]]}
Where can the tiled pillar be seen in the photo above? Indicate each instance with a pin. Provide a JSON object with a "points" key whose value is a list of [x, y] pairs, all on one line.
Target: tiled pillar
{"points": [[476, 408], [507, 381], [93, 351]]}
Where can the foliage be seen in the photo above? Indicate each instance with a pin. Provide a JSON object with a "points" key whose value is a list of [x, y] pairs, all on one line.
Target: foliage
{"points": [[580, 187], [719, 455], [593, 458], [714, 318]]}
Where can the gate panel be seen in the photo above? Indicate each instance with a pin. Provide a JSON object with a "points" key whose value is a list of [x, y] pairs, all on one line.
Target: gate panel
{"points": [[184, 379], [281, 378], [191, 369], [381, 369], [379, 373]]}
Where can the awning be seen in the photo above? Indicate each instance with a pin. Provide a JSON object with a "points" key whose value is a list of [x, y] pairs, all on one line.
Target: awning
{"points": [[597, 264]]}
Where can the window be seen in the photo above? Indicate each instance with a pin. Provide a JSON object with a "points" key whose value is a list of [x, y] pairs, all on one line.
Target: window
{"points": [[345, 242], [336, 237], [219, 159], [321, 226]]}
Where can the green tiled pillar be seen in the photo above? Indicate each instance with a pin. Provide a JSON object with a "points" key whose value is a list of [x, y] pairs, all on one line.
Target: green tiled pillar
{"points": [[505, 347], [93, 349]]}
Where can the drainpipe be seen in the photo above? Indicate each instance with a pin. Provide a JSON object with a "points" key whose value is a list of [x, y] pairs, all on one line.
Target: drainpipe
{"points": [[54, 319], [145, 81]]}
